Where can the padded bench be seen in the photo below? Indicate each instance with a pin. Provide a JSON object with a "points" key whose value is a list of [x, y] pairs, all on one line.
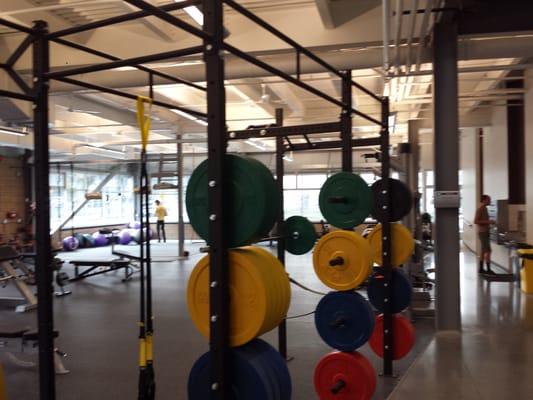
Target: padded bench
{"points": [[98, 267]]}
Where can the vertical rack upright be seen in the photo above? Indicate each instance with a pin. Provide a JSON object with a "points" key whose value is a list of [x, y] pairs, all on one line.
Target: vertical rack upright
{"points": [[217, 200]]}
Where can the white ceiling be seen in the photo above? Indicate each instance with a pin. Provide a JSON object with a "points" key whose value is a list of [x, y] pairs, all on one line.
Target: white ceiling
{"points": [[81, 117]]}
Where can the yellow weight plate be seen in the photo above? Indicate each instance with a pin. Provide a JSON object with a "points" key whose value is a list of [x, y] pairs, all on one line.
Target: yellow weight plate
{"points": [[403, 244], [342, 260], [249, 306], [283, 281], [271, 283]]}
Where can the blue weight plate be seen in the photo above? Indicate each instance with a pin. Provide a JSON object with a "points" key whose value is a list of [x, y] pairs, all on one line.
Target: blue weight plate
{"points": [[256, 359], [248, 383], [277, 364], [401, 291], [344, 320]]}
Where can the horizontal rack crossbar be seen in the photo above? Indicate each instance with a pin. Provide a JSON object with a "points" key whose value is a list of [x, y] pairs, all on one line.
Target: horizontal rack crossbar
{"points": [[15, 95], [294, 130], [140, 67], [156, 12], [115, 92], [119, 19], [130, 62], [332, 144], [275, 71]]}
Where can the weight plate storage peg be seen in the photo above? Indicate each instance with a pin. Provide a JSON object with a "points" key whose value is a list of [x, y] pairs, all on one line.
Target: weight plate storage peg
{"points": [[300, 235], [342, 260], [401, 291], [345, 200], [345, 376], [401, 200], [258, 372], [403, 336], [402, 243], [344, 320], [254, 204], [259, 294]]}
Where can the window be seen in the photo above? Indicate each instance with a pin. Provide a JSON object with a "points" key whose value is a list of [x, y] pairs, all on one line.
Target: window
{"points": [[169, 198], [301, 195], [67, 192]]}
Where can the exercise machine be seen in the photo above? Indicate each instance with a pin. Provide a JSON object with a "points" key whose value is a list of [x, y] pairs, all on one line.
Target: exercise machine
{"points": [[9, 257], [25, 340]]}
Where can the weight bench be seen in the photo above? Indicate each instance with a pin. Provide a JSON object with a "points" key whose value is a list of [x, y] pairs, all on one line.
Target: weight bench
{"points": [[94, 267], [8, 258], [27, 337]]}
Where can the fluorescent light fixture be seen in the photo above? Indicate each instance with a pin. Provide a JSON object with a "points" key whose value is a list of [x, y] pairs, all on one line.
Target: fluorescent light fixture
{"points": [[289, 158], [122, 69], [255, 144], [184, 114], [89, 146], [392, 123], [189, 116], [13, 132], [194, 12]]}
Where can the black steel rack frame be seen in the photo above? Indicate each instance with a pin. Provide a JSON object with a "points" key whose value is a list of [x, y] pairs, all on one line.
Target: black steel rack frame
{"points": [[213, 49]]}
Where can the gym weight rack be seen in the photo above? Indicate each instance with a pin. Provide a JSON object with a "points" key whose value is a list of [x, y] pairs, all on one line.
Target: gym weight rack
{"points": [[213, 49]]}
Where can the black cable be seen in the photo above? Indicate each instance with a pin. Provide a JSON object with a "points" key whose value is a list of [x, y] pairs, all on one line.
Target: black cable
{"points": [[300, 315], [306, 288]]}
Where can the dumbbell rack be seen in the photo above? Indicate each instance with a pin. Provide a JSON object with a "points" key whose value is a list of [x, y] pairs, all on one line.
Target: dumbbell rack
{"points": [[214, 49]]}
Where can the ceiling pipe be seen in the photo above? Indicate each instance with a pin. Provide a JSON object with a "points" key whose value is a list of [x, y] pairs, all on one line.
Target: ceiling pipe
{"points": [[386, 36]]}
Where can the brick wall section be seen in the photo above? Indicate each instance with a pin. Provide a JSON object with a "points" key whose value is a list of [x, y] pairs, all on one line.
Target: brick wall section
{"points": [[11, 195]]}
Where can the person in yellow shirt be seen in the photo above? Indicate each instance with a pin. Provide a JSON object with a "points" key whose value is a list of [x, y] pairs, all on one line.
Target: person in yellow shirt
{"points": [[160, 213]]}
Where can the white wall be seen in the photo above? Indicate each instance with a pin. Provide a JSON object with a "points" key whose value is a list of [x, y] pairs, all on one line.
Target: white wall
{"points": [[495, 169], [528, 104], [470, 189]]}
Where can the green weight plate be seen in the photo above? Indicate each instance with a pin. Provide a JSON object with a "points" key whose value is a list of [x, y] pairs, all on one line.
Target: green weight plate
{"points": [[345, 200], [299, 234], [248, 201], [273, 197]]}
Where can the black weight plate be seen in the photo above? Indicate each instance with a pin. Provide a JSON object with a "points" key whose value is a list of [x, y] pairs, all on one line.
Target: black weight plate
{"points": [[401, 291], [401, 200]]}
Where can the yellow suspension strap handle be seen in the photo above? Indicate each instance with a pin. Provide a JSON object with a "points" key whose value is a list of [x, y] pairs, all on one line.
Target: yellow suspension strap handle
{"points": [[144, 120], [146, 371]]}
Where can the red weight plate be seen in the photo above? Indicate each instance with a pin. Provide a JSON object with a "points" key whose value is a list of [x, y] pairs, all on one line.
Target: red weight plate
{"points": [[404, 336], [351, 374]]}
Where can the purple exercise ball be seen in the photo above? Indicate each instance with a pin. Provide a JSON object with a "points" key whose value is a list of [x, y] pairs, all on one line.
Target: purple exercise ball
{"points": [[134, 225], [124, 237], [70, 243], [100, 240]]}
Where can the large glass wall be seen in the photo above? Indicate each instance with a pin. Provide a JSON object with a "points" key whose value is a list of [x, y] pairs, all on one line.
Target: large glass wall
{"points": [[67, 192]]}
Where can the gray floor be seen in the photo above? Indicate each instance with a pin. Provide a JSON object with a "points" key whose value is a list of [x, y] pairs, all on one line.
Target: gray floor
{"points": [[98, 325], [492, 359]]}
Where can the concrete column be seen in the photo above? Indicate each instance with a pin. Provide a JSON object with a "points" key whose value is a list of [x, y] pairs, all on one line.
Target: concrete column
{"points": [[446, 125]]}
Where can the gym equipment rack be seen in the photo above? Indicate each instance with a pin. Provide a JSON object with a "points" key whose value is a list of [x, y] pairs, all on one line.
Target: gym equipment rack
{"points": [[213, 49]]}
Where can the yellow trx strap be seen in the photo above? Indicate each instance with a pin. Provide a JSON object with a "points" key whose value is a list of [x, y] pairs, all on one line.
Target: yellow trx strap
{"points": [[149, 348], [143, 118], [142, 353]]}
